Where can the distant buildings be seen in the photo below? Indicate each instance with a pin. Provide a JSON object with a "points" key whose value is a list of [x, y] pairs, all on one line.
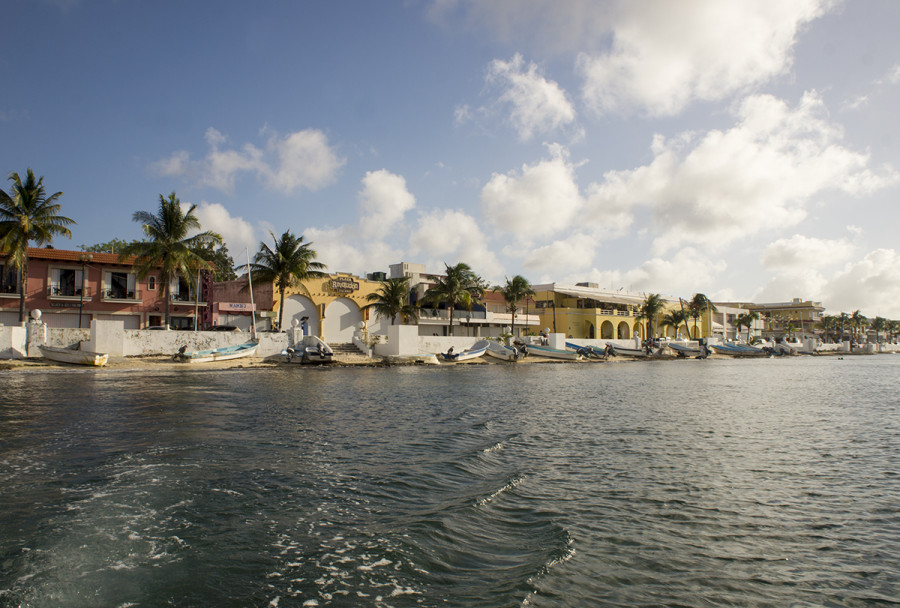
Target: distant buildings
{"points": [[73, 287]]}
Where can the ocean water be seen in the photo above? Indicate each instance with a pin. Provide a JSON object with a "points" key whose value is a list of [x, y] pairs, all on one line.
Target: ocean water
{"points": [[769, 482]]}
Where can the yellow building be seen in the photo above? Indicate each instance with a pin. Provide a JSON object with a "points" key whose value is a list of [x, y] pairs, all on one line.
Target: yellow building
{"points": [[584, 311]]}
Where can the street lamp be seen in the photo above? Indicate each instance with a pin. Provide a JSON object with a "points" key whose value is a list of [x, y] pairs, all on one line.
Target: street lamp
{"points": [[84, 258]]}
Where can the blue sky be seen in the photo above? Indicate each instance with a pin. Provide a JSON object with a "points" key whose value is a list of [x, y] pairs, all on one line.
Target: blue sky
{"points": [[747, 150]]}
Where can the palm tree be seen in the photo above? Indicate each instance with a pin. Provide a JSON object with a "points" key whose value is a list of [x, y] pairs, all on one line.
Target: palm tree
{"points": [[392, 299], [746, 319], [879, 324], [28, 214], [459, 287], [696, 306], [845, 320], [893, 327], [167, 247], [516, 289], [858, 321], [673, 319], [287, 265], [651, 308], [829, 324]]}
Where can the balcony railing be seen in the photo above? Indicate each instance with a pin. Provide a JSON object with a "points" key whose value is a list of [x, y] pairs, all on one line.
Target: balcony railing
{"points": [[55, 291], [122, 294], [181, 297]]}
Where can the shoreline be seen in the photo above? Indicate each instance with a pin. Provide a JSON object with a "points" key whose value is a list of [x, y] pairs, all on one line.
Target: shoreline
{"points": [[165, 363]]}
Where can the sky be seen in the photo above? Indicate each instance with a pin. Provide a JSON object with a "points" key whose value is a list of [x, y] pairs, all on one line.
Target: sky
{"points": [[748, 150]]}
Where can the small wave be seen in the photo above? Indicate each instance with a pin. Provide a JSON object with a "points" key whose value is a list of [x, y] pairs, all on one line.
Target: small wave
{"points": [[510, 485]]}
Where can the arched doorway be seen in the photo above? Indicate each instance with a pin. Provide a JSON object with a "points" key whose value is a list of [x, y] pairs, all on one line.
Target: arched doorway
{"points": [[638, 329], [606, 330], [590, 331], [623, 331], [342, 319], [297, 307]]}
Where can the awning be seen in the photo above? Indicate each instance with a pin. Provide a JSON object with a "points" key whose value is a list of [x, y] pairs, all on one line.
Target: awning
{"points": [[599, 295]]}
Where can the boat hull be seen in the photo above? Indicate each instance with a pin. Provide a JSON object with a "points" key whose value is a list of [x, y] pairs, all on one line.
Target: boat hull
{"points": [[552, 353], [75, 357], [504, 353], [226, 353], [473, 352]]}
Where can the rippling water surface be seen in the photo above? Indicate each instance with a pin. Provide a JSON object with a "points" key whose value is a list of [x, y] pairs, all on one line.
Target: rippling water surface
{"points": [[681, 483]]}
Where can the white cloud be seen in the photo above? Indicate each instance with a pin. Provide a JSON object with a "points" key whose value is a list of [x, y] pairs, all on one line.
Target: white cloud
{"points": [[384, 199], [871, 285], [574, 254], [300, 160], [892, 77], [451, 236], [237, 232], [546, 190], [341, 250], [664, 55], [802, 252], [758, 175], [537, 105]]}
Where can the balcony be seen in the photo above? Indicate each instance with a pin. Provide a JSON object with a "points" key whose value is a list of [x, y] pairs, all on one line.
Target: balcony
{"points": [[58, 291], [121, 295]]}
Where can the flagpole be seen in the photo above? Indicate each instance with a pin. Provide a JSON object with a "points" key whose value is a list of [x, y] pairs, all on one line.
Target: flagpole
{"points": [[250, 283]]}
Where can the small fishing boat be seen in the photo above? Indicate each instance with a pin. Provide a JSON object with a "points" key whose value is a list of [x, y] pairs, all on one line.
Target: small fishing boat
{"points": [[683, 350], [621, 351], [311, 349], [74, 355], [473, 352], [588, 351], [225, 353], [737, 350], [503, 352], [539, 350]]}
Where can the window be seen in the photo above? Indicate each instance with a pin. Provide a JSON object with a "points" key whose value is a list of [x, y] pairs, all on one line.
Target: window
{"points": [[9, 279], [151, 283], [65, 282], [118, 285]]}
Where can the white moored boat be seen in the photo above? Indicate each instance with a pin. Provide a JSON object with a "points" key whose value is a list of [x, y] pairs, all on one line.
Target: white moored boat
{"points": [[225, 353], [539, 350], [473, 352], [311, 349], [503, 352], [73, 355]]}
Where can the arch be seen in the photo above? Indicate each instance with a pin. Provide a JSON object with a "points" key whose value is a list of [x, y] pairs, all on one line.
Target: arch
{"points": [[590, 330], [623, 331], [638, 329], [296, 307], [342, 319], [606, 330]]}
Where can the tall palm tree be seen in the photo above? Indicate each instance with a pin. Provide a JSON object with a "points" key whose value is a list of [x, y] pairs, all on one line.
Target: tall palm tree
{"points": [[893, 327], [392, 299], [287, 265], [516, 289], [879, 324], [697, 305], [858, 321], [673, 319], [460, 287], [845, 321], [28, 214], [167, 247], [651, 308], [746, 319]]}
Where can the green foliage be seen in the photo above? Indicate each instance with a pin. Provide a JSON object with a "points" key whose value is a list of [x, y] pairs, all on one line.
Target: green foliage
{"points": [[460, 287], [516, 289], [27, 214], [168, 247], [392, 299], [113, 246], [222, 262], [287, 265], [651, 308]]}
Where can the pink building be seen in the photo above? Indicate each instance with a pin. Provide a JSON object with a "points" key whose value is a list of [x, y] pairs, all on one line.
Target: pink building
{"points": [[73, 287]]}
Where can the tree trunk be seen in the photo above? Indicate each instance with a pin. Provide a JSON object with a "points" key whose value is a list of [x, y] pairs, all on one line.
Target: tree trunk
{"points": [[23, 274], [280, 309], [166, 294], [450, 309]]}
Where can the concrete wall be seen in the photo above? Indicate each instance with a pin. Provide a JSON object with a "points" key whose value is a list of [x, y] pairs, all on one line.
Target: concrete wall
{"points": [[13, 342], [140, 342]]}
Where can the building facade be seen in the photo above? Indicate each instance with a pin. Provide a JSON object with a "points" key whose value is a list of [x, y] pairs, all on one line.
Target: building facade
{"points": [[71, 288]]}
